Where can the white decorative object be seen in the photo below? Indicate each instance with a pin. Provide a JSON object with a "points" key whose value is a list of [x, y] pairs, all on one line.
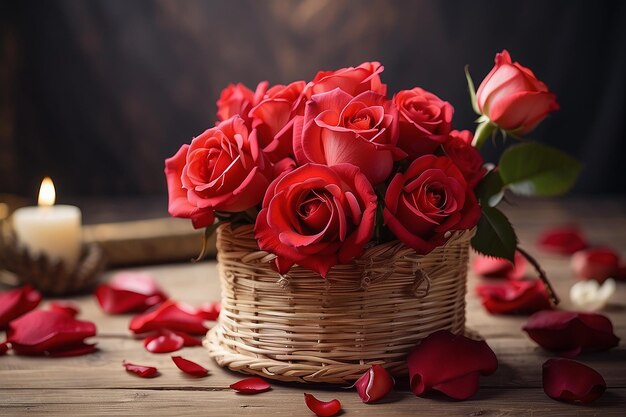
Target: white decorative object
{"points": [[590, 296]]}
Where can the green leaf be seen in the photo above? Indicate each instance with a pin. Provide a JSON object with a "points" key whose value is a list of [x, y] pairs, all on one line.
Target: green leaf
{"points": [[472, 90], [534, 169], [490, 189], [208, 231], [495, 235], [483, 131]]}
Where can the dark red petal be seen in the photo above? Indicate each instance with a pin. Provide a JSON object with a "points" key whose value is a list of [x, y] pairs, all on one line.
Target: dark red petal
{"points": [[322, 408], [41, 331], [4, 348], [252, 385], [169, 315], [564, 240], [16, 302], [209, 311], [621, 273], [513, 297], [73, 350], [464, 358], [190, 367], [163, 342], [571, 381], [570, 333], [374, 384], [141, 370], [596, 263], [128, 292], [65, 307], [189, 340], [487, 266]]}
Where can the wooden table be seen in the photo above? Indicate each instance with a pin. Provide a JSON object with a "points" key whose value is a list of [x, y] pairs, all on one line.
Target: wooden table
{"points": [[96, 384]]}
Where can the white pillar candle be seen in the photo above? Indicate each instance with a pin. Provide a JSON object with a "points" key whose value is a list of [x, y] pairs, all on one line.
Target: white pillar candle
{"points": [[48, 229]]}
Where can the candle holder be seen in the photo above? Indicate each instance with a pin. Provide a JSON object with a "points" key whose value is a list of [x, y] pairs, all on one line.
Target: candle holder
{"points": [[48, 276]]}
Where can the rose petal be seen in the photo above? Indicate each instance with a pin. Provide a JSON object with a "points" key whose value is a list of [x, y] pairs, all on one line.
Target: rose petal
{"points": [[65, 307], [41, 331], [571, 381], [163, 342], [169, 315], [374, 384], [253, 385], [141, 370], [4, 348], [570, 333], [596, 263], [16, 302], [128, 292], [73, 350], [512, 297], [322, 408], [487, 266], [189, 340], [209, 311], [464, 358], [190, 367], [564, 240], [621, 273]]}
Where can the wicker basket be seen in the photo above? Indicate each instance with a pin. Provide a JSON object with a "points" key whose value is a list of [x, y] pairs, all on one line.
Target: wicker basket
{"points": [[301, 327]]}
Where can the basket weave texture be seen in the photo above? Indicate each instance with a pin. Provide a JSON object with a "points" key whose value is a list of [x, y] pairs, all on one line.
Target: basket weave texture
{"points": [[302, 327]]}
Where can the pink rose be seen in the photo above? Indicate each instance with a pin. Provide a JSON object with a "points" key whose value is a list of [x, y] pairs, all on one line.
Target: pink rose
{"points": [[223, 169], [354, 81], [237, 99], [513, 98], [425, 121], [339, 128], [317, 216], [428, 200], [465, 156], [273, 119]]}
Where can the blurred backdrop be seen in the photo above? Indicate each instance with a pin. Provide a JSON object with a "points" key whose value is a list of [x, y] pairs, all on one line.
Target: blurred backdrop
{"points": [[97, 93]]}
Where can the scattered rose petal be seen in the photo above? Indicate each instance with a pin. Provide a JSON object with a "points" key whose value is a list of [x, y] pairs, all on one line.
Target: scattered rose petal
{"points": [[322, 408], [569, 333], [590, 295], [571, 381], [49, 332], [464, 360], [77, 349], [490, 267], [129, 292], [595, 263], [4, 348], [510, 297], [16, 302], [374, 384], [141, 370], [163, 342], [253, 385], [190, 367], [169, 315], [621, 273], [189, 340], [209, 311], [65, 307], [564, 240]]}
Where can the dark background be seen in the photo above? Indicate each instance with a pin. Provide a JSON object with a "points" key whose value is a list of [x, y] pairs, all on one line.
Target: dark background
{"points": [[97, 93]]}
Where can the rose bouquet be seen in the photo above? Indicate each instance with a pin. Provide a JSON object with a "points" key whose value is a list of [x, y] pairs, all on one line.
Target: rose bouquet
{"points": [[324, 168]]}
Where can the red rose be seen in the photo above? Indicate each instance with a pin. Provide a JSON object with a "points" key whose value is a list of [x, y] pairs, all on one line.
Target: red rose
{"points": [[317, 216], [428, 200], [425, 121], [354, 81], [513, 98], [237, 99], [465, 156], [339, 128], [223, 169], [273, 119]]}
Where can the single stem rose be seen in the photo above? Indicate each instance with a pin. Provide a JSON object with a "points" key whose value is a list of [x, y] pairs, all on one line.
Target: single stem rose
{"points": [[542, 275]]}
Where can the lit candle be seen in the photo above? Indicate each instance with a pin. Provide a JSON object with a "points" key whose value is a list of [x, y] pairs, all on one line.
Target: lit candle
{"points": [[48, 229]]}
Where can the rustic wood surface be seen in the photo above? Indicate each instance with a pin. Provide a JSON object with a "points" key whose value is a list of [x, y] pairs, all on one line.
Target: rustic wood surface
{"points": [[96, 384]]}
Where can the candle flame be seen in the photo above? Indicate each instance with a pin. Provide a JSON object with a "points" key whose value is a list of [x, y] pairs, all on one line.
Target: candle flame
{"points": [[47, 194]]}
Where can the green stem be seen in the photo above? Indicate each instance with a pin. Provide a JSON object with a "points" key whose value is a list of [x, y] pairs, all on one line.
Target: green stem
{"points": [[483, 131]]}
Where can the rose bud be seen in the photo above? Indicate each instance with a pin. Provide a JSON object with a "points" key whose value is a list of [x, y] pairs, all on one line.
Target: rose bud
{"points": [[374, 384], [596, 263], [571, 381], [425, 121], [354, 81], [565, 240], [513, 98]]}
